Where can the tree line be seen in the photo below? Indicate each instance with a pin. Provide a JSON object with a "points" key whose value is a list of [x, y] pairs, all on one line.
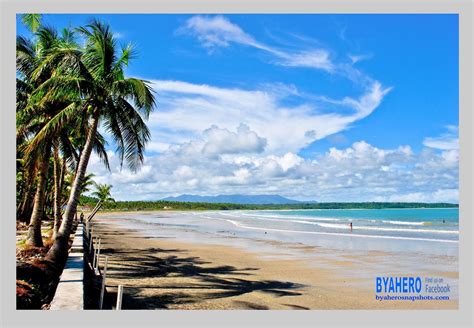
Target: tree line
{"points": [[174, 205], [68, 83]]}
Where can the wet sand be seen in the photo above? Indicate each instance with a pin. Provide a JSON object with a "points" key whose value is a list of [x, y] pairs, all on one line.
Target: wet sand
{"points": [[164, 273]]}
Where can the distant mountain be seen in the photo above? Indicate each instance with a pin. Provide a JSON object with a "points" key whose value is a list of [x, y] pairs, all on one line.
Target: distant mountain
{"points": [[234, 199]]}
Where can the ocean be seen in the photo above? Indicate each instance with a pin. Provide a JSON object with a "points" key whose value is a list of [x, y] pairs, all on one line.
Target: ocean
{"points": [[440, 225], [421, 231]]}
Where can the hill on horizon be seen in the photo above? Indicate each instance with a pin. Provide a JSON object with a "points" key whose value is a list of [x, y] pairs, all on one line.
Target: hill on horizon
{"points": [[234, 199]]}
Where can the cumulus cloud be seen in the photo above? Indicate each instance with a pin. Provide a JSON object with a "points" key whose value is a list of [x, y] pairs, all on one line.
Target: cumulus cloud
{"points": [[222, 141], [361, 172], [216, 141], [441, 195]]}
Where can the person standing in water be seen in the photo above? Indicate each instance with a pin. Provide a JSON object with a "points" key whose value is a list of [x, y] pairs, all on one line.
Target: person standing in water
{"points": [[350, 225]]}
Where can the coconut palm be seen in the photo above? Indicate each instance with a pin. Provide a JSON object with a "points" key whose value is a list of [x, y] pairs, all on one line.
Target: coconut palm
{"points": [[32, 116], [86, 183], [37, 105], [97, 74], [31, 21], [102, 192]]}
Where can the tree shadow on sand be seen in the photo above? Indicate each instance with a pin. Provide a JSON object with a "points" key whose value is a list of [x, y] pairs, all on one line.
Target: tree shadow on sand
{"points": [[206, 282]]}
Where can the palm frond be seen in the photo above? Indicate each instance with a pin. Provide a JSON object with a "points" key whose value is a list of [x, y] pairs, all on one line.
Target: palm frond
{"points": [[51, 129], [139, 91], [99, 148], [31, 21], [135, 133]]}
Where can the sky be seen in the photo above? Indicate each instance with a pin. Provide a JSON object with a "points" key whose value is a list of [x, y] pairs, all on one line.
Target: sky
{"points": [[326, 107]]}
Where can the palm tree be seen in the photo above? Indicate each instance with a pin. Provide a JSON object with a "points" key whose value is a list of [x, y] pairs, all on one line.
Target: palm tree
{"points": [[31, 21], [107, 96], [59, 167], [38, 103], [102, 192], [86, 182], [32, 115]]}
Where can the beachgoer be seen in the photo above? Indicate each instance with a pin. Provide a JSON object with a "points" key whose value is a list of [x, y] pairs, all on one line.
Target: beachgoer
{"points": [[350, 225]]}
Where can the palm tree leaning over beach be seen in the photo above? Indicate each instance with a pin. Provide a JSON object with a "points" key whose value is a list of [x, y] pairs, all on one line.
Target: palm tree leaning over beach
{"points": [[102, 192], [106, 96]]}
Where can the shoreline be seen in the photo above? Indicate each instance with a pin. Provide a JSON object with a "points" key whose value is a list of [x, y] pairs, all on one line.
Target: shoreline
{"points": [[107, 212], [163, 272]]}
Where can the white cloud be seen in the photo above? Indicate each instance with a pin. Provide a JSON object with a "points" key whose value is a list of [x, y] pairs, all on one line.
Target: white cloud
{"points": [[357, 58], [187, 109], [118, 35], [218, 31], [447, 141], [215, 142], [361, 172], [183, 172], [314, 58], [441, 195], [156, 146], [222, 141]]}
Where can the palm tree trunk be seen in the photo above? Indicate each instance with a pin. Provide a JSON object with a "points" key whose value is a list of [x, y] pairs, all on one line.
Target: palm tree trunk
{"points": [[57, 191], [34, 229], [26, 208], [58, 252], [94, 211]]}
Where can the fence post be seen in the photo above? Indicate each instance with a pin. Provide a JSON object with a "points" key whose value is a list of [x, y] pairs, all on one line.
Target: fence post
{"points": [[119, 297], [94, 253], [96, 267], [91, 241], [102, 291]]}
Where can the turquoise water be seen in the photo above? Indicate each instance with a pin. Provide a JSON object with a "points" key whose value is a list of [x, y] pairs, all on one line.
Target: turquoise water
{"points": [[430, 216], [425, 231], [429, 224]]}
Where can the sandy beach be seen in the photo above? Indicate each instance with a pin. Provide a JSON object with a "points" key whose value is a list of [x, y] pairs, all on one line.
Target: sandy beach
{"points": [[162, 272]]}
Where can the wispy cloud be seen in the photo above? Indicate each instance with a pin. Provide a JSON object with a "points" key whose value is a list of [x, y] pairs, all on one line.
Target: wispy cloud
{"points": [[217, 31], [262, 110], [118, 35], [357, 58], [446, 141]]}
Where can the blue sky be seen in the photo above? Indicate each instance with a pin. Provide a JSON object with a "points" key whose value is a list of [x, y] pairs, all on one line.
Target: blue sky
{"points": [[289, 104]]}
